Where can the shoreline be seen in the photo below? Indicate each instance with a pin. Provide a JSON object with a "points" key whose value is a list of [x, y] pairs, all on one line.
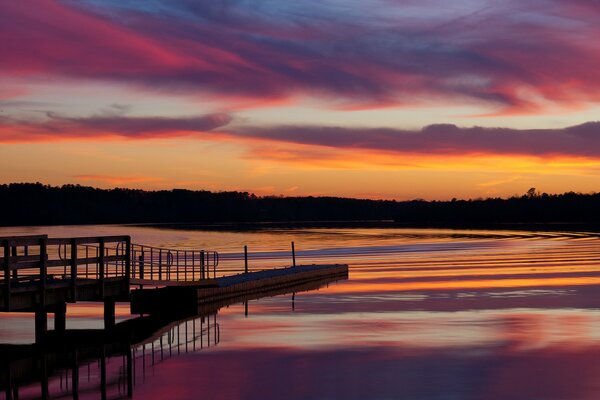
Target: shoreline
{"points": [[359, 224]]}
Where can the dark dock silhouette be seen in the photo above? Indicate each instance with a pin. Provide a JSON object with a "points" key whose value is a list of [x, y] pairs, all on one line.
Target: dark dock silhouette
{"points": [[41, 275]]}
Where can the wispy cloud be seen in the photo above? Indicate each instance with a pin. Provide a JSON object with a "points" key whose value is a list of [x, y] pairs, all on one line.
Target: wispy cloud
{"points": [[516, 56], [311, 141], [58, 127], [582, 140]]}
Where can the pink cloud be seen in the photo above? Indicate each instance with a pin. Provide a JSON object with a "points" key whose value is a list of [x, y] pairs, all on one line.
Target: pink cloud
{"points": [[508, 57]]}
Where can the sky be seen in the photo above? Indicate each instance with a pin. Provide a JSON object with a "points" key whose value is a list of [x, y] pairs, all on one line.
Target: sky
{"points": [[382, 99]]}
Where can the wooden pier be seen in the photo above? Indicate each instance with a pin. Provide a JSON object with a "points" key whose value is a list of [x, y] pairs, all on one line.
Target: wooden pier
{"points": [[42, 274]]}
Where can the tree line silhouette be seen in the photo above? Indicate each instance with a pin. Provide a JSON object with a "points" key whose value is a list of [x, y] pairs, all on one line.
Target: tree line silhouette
{"points": [[38, 204]]}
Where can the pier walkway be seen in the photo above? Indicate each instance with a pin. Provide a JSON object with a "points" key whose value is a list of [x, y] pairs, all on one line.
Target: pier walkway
{"points": [[42, 274]]}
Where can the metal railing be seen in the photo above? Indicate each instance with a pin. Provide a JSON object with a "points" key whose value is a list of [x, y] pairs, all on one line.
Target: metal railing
{"points": [[156, 263]]}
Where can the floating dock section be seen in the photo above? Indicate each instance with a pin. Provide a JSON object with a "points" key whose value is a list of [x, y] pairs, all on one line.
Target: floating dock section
{"points": [[190, 297]]}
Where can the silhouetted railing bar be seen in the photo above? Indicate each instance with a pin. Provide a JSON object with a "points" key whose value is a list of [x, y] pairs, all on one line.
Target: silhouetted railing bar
{"points": [[128, 257], [73, 270], [101, 266]]}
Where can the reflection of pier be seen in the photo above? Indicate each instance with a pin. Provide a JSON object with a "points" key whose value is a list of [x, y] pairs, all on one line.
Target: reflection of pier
{"points": [[113, 361], [112, 367]]}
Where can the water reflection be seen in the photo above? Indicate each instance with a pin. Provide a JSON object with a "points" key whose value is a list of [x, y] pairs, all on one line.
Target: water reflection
{"points": [[111, 363], [85, 364], [426, 315]]}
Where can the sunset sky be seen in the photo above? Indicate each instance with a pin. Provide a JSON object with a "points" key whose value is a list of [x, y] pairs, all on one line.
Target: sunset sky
{"points": [[390, 99]]}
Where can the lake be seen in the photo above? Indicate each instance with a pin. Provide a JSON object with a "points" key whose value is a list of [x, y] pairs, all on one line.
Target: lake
{"points": [[426, 314]]}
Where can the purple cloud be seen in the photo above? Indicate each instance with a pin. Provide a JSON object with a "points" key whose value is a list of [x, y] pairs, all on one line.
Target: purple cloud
{"points": [[493, 53]]}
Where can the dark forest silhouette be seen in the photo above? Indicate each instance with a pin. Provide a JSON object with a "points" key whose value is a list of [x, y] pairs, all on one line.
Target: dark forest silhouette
{"points": [[38, 204]]}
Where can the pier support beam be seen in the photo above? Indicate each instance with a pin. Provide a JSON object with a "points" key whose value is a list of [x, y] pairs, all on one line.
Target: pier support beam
{"points": [[60, 317], [41, 325], [109, 313]]}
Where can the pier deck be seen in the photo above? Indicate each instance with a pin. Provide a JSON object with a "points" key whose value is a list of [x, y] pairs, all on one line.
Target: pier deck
{"points": [[190, 297]]}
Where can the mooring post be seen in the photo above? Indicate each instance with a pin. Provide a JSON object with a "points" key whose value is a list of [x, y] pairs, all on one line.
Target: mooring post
{"points": [[41, 324], [293, 255], [60, 317], [109, 313], [246, 259]]}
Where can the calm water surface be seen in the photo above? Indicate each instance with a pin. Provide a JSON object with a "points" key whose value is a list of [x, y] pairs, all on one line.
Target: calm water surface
{"points": [[425, 314]]}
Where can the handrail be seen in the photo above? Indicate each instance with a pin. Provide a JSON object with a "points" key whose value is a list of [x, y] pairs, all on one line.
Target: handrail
{"points": [[161, 263]]}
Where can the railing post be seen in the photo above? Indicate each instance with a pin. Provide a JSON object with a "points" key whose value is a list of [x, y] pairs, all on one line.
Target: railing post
{"points": [[246, 259], [128, 259], [202, 264], [6, 268], [293, 255], [43, 271], [15, 273], [215, 261], [101, 266], [160, 264], [141, 265], [73, 270]]}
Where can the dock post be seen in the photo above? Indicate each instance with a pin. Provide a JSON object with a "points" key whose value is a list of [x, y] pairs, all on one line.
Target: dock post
{"points": [[109, 313], [293, 255], [60, 317], [41, 324], [246, 259]]}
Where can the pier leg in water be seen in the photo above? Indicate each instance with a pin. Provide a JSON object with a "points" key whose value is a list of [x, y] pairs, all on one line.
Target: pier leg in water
{"points": [[41, 325], [60, 317], [109, 313]]}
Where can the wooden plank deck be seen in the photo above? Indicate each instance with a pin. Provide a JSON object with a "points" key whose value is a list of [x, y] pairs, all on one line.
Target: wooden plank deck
{"points": [[189, 297]]}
